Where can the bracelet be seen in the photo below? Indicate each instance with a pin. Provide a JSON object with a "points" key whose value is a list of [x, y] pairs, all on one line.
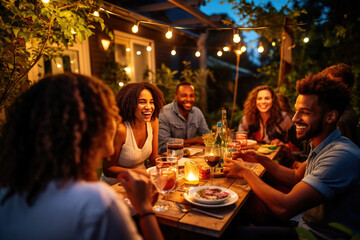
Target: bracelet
{"points": [[146, 214]]}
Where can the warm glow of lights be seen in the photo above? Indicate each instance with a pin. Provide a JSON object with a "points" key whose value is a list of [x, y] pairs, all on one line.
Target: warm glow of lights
{"points": [[243, 49], [169, 34], [96, 14], [219, 53], [105, 43], [260, 49], [135, 28], [121, 84], [197, 54], [58, 65], [127, 70], [45, 1], [73, 31], [236, 38], [148, 48], [273, 44], [173, 52], [128, 49], [226, 49], [138, 53], [306, 40], [238, 51]]}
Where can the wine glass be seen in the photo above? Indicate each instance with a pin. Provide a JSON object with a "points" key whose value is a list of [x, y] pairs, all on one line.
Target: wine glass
{"points": [[165, 179], [212, 157]]}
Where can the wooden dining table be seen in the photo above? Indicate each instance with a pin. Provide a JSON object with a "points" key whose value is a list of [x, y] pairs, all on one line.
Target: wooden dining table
{"points": [[198, 222]]}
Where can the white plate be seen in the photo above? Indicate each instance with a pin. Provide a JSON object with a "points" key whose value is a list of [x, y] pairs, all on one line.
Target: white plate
{"points": [[231, 200], [251, 142], [193, 193], [150, 169], [194, 151]]}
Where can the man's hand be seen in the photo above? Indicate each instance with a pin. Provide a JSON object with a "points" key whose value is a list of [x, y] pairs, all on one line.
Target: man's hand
{"points": [[235, 168], [249, 156]]}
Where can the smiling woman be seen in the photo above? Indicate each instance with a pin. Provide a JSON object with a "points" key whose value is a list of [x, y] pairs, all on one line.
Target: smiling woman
{"points": [[263, 120], [137, 137]]}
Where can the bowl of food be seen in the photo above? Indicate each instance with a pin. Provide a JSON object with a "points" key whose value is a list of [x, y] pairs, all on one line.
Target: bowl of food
{"points": [[209, 194]]}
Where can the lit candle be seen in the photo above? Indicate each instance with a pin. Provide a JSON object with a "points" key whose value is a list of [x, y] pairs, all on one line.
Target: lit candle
{"points": [[191, 173]]}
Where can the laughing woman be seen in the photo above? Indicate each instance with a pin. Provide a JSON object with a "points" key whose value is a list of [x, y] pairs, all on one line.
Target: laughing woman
{"points": [[137, 137], [263, 120]]}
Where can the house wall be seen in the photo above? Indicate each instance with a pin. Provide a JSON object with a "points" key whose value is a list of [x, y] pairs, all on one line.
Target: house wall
{"points": [[185, 45]]}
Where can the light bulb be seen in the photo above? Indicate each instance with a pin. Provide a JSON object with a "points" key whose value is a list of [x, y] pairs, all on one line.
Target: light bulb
{"points": [[168, 34], [236, 38], [128, 49], [121, 84], [273, 44], [45, 1], [173, 52], [243, 49], [135, 28], [197, 54], [238, 51], [148, 48], [226, 49], [96, 13], [219, 53], [138, 53], [260, 49], [306, 39]]}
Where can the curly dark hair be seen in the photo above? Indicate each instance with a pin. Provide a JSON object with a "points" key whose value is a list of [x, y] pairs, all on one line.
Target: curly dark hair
{"points": [[252, 114], [53, 132], [332, 93], [128, 96], [340, 71]]}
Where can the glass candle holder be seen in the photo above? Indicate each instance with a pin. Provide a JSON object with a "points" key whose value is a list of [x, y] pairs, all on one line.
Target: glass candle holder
{"points": [[191, 172]]}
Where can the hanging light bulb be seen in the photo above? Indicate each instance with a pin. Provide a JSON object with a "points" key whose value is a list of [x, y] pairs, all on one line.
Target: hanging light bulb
{"points": [[96, 13], [45, 1], [121, 84], [173, 52], [306, 40], [169, 34], [238, 51], [260, 48], [138, 52], [243, 49], [135, 28], [148, 48], [128, 49], [219, 53], [236, 38], [226, 49], [197, 53], [273, 44]]}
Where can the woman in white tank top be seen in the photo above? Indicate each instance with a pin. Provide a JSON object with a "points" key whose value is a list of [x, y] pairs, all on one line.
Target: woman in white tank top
{"points": [[137, 137]]}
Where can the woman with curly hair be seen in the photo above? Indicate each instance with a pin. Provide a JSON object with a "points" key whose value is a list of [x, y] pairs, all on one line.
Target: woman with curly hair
{"points": [[51, 146], [263, 120], [137, 137]]}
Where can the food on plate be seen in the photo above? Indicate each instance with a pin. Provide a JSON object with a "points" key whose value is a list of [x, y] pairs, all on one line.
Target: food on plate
{"points": [[264, 150], [186, 152], [269, 146], [212, 194]]}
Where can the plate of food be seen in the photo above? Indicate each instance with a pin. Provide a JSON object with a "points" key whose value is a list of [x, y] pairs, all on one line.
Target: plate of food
{"points": [[219, 197], [251, 142]]}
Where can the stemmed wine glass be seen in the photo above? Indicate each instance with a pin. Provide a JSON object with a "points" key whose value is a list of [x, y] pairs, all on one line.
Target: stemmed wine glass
{"points": [[212, 157], [165, 179]]}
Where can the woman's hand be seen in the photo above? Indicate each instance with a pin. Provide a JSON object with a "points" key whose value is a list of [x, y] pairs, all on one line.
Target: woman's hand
{"points": [[140, 190]]}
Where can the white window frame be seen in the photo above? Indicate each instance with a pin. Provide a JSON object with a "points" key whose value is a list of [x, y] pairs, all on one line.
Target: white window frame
{"points": [[121, 37]]}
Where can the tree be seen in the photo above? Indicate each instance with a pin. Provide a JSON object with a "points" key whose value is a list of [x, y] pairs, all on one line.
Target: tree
{"points": [[31, 29]]}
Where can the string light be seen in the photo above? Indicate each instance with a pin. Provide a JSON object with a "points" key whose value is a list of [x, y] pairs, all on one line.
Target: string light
{"points": [[173, 52], [45, 1], [306, 39], [127, 69], [169, 33], [128, 49], [138, 52], [135, 28], [260, 48], [96, 13], [73, 31], [197, 53], [148, 48], [121, 84], [105, 43], [238, 51], [219, 53], [236, 37], [273, 44], [243, 49], [226, 49]]}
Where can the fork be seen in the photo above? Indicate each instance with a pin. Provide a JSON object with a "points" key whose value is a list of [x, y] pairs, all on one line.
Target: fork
{"points": [[184, 210]]}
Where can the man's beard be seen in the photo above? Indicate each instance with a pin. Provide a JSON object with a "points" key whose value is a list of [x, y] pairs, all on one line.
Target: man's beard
{"points": [[313, 132]]}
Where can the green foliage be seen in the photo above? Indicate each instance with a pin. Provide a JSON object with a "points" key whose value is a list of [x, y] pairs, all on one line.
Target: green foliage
{"points": [[166, 82], [31, 30]]}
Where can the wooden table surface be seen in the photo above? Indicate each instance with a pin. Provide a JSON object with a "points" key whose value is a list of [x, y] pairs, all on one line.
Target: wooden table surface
{"points": [[198, 222]]}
